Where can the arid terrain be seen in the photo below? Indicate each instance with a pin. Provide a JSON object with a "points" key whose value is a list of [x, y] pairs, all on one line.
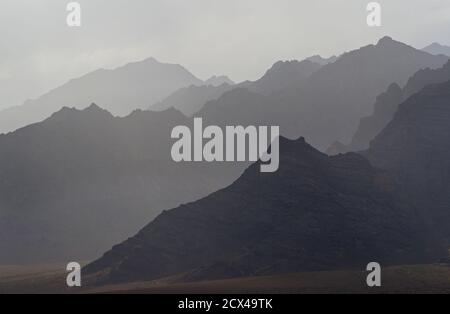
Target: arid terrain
{"points": [[397, 279]]}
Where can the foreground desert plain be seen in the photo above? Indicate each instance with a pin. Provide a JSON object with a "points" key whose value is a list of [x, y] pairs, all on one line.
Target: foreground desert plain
{"points": [[432, 278]]}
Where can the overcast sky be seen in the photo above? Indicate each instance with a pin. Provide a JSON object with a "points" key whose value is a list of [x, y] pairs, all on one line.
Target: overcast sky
{"points": [[238, 38]]}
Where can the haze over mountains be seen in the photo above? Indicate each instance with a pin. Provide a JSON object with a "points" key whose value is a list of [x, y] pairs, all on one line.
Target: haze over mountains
{"points": [[133, 86], [328, 105], [85, 176], [281, 75], [315, 213], [386, 105], [189, 100], [414, 147], [322, 99], [218, 80], [437, 49], [322, 61], [80, 181]]}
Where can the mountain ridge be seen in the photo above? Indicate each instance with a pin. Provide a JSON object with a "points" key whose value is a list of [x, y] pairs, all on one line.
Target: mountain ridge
{"points": [[120, 90], [86, 175], [295, 219]]}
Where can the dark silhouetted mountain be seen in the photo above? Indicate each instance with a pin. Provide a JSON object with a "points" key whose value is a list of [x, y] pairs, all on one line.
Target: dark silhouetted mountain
{"points": [[80, 181], [315, 213], [189, 100], [437, 49], [328, 105], [282, 75], [387, 104], [218, 80], [120, 91], [415, 147], [322, 61]]}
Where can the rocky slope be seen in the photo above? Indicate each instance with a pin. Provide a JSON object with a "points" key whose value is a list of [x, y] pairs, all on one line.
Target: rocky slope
{"points": [[82, 180], [315, 213], [387, 104], [415, 147]]}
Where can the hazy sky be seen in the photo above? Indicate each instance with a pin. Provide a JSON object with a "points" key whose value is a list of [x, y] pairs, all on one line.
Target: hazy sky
{"points": [[239, 38]]}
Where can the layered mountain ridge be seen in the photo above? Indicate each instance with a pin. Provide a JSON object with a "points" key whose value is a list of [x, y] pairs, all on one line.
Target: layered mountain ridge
{"points": [[387, 104], [414, 148], [133, 86], [85, 176], [328, 104], [315, 213]]}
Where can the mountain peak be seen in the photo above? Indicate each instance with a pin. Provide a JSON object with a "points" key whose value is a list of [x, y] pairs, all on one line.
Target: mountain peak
{"points": [[437, 49], [305, 205], [94, 108], [91, 111], [321, 60], [151, 59], [285, 64], [219, 80], [386, 40]]}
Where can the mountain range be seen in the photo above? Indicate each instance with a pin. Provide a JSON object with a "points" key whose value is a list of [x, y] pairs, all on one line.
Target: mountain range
{"points": [[189, 100], [388, 204], [386, 105], [315, 213], [414, 147], [328, 104], [86, 176], [80, 181], [437, 49], [281, 75], [322, 61], [120, 91], [218, 80]]}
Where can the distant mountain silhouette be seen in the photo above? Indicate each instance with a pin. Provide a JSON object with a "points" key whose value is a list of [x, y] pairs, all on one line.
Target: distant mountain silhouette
{"points": [[415, 147], [315, 213], [327, 105], [120, 91], [190, 100], [218, 80], [384, 109], [387, 104], [82, 180], [282, 75], [322, 61], [437, 49]]}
